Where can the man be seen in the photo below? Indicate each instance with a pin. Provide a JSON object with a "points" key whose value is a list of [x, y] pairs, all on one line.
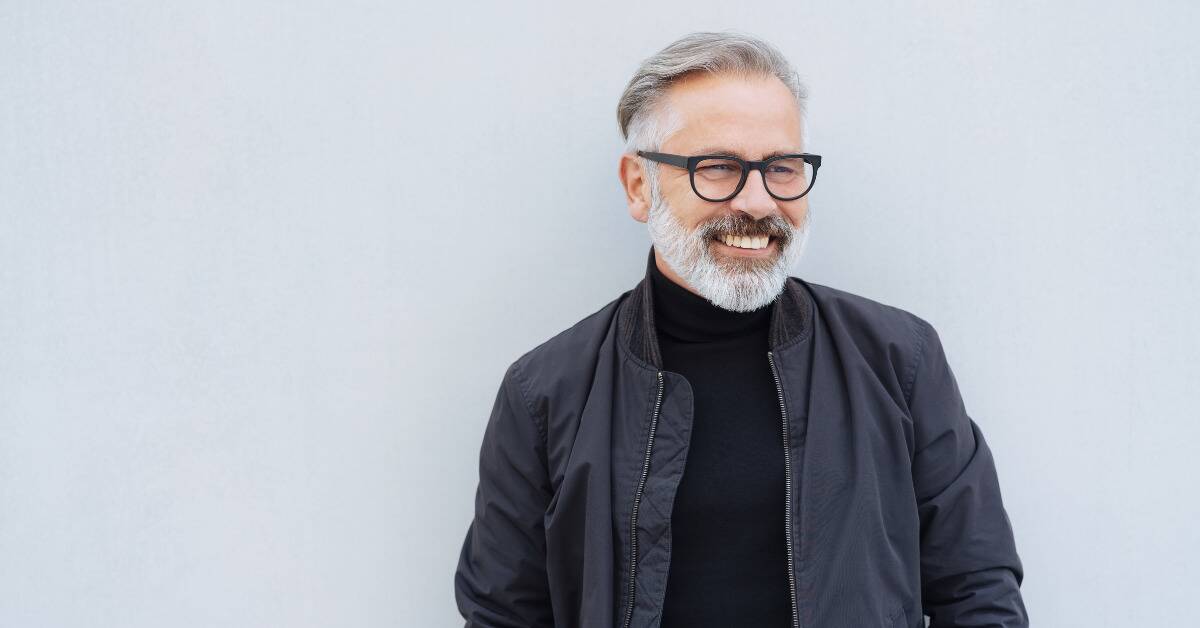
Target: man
{"points": [[725, 444]]}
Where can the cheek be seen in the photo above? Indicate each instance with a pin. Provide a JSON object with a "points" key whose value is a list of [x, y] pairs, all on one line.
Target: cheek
{"points": [[796, 212], [689, 210]]}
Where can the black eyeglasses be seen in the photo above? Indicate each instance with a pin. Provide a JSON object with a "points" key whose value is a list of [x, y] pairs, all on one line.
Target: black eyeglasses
{"points": [[718, 178]]}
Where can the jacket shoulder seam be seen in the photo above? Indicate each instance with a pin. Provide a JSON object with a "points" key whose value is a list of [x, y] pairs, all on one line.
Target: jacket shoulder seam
{"points": [[524, 393], [920, 328], [910, 378]]}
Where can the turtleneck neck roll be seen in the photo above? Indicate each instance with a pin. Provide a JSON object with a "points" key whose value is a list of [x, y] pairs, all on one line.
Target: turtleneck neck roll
{"points": [[689, 317]]}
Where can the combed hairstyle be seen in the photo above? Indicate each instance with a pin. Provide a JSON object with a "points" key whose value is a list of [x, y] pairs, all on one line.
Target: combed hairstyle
{"points": [[644, 117]]}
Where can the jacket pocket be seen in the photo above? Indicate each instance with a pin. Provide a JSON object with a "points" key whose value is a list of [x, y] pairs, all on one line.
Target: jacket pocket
{"points": [[899, 617]]}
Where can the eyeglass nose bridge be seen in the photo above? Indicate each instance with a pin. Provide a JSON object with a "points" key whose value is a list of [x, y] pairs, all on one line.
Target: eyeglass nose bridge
{"points": [[761, 167]]}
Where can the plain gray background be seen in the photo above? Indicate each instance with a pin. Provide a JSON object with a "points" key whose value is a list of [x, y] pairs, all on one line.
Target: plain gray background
{"points": [[263, 266]]}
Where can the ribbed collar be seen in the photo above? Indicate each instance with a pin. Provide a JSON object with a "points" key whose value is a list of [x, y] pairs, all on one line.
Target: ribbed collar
{"points": [[689, 317]]}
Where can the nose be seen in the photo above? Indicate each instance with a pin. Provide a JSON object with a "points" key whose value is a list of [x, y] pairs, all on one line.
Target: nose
{"points": [[754, 198]]}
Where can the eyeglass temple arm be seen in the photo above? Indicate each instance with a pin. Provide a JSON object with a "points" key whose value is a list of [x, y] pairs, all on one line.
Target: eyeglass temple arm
{"points": [[674, 160]]}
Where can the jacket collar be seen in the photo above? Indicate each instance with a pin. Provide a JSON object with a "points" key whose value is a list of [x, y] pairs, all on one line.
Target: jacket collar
{"points": [[791, 317]]}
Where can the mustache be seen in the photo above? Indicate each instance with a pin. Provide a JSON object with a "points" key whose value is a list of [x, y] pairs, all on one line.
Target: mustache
{"points": [[772, 226]]}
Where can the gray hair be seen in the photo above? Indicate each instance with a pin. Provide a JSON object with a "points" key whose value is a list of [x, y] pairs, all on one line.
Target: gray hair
{"points": [[645, 119]]}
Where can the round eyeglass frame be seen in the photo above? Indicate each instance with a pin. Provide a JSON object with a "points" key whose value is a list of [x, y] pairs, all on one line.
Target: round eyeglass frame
{"points": [[690, 162]]}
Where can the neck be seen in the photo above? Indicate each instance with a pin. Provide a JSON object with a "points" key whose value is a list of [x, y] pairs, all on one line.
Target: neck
{"points": [[683, 314]]}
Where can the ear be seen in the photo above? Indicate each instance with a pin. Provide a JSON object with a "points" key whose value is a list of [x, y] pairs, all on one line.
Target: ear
{"points": [[637, 188]]}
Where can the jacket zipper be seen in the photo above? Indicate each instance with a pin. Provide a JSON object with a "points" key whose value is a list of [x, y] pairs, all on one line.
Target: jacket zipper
{"points": [[637, 500], [787, 483]]}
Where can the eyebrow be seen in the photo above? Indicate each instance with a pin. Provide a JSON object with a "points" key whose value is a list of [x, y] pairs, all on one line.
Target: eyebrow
{"points": [[721, 150]]}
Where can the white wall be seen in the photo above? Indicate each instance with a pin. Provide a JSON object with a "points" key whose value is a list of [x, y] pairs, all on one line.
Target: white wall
{"points": [[262, 268]]}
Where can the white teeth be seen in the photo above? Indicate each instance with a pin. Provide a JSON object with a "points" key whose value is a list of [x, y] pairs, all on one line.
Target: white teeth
{"points": [[746, 242]]}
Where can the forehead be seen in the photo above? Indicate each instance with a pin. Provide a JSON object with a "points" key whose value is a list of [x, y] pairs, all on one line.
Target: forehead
{"points": [[748, 116]]}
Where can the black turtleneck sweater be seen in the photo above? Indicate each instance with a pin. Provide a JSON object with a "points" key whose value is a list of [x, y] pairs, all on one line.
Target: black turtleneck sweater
{"points": [[728, 551]]}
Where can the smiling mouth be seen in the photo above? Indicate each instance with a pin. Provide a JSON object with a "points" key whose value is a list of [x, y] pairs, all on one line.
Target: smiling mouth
{"points": [[748, 243]]}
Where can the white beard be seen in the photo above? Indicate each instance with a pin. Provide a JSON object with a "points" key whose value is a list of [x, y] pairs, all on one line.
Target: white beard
{"points": [[737, 284]]}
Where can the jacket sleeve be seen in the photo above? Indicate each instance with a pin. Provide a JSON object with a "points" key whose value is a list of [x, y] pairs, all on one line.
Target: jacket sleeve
{"points": [[501, 578], [970, 571]]}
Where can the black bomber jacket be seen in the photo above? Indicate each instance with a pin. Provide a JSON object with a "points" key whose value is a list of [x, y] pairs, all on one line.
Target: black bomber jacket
{"points": [[893, 503]]}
